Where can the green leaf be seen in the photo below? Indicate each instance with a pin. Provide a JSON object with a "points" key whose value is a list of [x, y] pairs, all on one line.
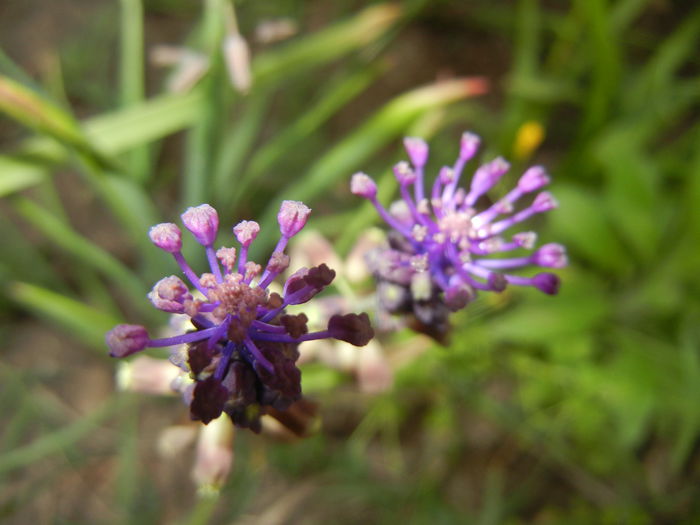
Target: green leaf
{"points": [[59, 440], [36, 112], [145, 122], [131, 73], [78, 319], [591, 238], [17, 174], [631, 197], [83, 250], [580, 306], [334, 97], [327, 44]]}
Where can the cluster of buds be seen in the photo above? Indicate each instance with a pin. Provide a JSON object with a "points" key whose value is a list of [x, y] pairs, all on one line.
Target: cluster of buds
{"points": [[446, 245], [240, 354]]}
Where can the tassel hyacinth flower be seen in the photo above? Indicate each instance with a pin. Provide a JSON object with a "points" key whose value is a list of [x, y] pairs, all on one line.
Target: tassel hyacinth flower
{"points": [[447, 242], [242, 349]]}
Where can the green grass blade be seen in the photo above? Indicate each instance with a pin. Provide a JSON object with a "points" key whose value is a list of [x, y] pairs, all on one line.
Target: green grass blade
{"points": [[235, 147], [334, 97], [78, 319], [327, 44], [17, 174], [131, 69], [84, 251], [606, 63], [39, 114], [61, 439]]}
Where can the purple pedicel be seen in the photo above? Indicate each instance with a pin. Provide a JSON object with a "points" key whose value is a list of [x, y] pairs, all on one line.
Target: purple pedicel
{"points": [[461, 239], [242, 348]]}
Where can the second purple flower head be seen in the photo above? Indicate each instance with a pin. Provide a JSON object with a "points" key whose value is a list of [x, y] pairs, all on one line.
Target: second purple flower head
{"points": [[448, 242]]}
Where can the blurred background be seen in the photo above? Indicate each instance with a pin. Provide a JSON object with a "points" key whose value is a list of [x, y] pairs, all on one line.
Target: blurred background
{"points": [[579, 408]]}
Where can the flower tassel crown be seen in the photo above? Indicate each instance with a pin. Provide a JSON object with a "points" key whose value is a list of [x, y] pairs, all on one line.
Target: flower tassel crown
{"points": [[242, 350], [447, 244]]}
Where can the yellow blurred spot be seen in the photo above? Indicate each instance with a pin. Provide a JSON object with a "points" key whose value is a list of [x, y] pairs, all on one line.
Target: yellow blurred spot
{"points": [[528, 139]]}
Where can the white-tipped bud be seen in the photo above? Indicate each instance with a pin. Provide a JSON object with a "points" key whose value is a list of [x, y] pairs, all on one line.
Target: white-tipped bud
{"points": [[468, 145], [447, 175], [190, 70], [533, 179], [246, 232], [525, 240], [227, 257], [269, 31], [544, 201], [237, 58], [214, 454], [166, 236], [126, 339], [401, 212], [417, 150], [487, 175], [404, 174], [203, 222], [362, 185], [170, 295], [292, 217], [551, 255]]}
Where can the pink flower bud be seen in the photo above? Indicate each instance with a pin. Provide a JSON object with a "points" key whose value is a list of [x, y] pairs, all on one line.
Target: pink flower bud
{"points": [[362, 184], [166, 236], [404, 174], [533, 179], [227, 257], [468, 145], [203, 222], [237, 58], [292, 217], [551, 255], [246, 232], [446, 175], [487, 175], [525, 240], [417, 150], [126, 339], [544, 201], [169, 294]]}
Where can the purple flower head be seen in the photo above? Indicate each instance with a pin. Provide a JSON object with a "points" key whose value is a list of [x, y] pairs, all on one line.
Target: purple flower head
{"points": [[242, 348], [447, 244]]}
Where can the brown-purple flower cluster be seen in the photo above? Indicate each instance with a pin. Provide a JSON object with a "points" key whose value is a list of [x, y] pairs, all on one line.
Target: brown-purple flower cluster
{"points": [[242, 348]]}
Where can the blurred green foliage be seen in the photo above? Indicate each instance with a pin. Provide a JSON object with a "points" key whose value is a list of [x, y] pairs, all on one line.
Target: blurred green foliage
{"points": [[577, 409]]}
